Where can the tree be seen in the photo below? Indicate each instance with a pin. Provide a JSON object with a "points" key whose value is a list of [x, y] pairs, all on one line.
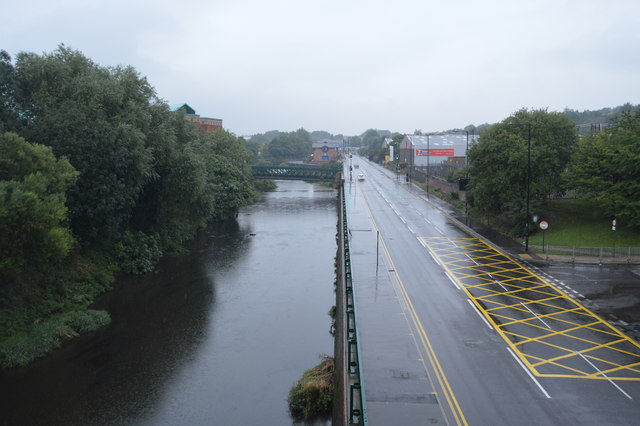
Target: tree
{"points": [[227, 173], [8, 87], [33, 217], [100, 119], [605, 167], [290, 146], [499, 162]]}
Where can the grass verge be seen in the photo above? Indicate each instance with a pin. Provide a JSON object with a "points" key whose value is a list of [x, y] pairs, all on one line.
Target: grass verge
{"points": [[582, 223]]}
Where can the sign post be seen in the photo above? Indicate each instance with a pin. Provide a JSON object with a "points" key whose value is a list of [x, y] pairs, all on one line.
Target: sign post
{"points": [[543, 225], [613, 228]]}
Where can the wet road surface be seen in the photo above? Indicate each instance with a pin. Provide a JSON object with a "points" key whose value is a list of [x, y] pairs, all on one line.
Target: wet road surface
{"points": [[454, 331]]}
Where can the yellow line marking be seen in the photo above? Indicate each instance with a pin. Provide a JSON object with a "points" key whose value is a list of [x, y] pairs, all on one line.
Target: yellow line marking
{"points": [[462, 260], [441, 377], [426, 343]]}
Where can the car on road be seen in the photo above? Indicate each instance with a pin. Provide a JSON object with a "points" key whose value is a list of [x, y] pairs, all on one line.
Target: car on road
{"points": [[361, 176]]}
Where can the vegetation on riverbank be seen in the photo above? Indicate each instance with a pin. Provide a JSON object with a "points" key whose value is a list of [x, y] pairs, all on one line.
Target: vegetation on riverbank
{"points": [[98, 176], [312, 395], [20, 349], [34, 320]]}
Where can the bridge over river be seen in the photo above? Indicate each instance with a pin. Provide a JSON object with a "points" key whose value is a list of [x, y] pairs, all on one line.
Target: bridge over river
{"points": [[307, 173]]}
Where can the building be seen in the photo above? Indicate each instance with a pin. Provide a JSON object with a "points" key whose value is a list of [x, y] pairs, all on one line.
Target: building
{"points": [[205, 124], [423, 150], [326, 150]]}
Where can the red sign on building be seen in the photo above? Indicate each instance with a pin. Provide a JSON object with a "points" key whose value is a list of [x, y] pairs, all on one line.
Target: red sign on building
{"points": [[421, 152]]}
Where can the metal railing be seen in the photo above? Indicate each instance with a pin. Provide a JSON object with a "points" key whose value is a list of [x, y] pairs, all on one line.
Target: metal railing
{"points": [[357, 410], [327, 174], [602, 254]]}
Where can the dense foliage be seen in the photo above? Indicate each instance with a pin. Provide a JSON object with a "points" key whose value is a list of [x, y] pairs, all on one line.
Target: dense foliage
{"points": [[33, 217], [142, 168], [499, 162], [606, 166], [289, 146], [96, 163], [600, 116], [373, 144]]}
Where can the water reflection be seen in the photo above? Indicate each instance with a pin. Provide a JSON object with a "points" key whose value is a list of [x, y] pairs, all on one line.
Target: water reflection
{"points": [[214, 337]]}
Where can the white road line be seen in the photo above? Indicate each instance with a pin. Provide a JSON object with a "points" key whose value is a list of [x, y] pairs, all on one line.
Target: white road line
{"points": [[452, 280], [500, 284], [403, 221], [438, 229], [534, 314], [423, 244], [478, 312], [411, 230], [605, 376], [427, 220], [529, 373], [473, 260]]}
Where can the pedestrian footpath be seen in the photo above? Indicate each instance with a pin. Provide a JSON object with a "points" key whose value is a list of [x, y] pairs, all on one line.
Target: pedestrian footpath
{"points": [[397, 390]]}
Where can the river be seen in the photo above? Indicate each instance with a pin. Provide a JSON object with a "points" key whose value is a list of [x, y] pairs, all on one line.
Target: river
{"points": [[214, 337]]}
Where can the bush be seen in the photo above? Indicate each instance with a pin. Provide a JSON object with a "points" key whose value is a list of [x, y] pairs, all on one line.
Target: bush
{"points": [[138, 252], [312, 396], [21, 349]]}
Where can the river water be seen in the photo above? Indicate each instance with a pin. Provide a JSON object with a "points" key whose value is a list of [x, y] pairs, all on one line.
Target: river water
{"points": [[214, 337]]}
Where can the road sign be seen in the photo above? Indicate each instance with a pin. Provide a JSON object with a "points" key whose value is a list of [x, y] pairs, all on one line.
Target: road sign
{"points": [[544, 225]]}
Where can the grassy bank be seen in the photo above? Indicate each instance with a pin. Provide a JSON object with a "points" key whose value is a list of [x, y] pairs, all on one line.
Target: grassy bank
{"points": [[43, 337], [40, 318], [582, 223]]}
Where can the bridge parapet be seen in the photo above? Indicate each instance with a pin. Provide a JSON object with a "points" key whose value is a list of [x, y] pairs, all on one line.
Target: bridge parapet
{"points": [[325, 174]]}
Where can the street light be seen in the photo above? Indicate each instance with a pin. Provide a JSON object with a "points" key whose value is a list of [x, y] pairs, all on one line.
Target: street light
{"points": [[526, 225], [428, 163], [526, 229]]}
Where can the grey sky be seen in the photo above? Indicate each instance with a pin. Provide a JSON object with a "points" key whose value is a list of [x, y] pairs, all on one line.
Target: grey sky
{"points": [[348, 65]]}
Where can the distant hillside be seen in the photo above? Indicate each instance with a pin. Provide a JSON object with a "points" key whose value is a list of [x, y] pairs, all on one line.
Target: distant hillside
{"points": [[601, 116]]}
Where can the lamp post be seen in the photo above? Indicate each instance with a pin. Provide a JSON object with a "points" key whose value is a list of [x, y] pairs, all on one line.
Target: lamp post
{"points": [[526, 224], [526, 229], [466, 163], [428, 164]]}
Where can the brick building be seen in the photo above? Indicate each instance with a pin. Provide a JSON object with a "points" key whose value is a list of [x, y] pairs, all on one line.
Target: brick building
{"points": [[206, 124]]}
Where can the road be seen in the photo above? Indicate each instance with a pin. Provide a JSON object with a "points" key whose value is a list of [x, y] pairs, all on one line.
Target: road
{"points": [[454, 331]]}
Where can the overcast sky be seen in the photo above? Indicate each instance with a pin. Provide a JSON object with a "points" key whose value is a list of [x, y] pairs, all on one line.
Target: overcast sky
{"points": [[345, 66]]}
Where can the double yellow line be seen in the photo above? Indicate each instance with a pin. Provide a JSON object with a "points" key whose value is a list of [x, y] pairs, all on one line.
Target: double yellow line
{"points": [[441, 377]]}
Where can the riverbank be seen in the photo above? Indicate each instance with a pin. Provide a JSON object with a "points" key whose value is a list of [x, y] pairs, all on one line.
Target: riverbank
{"points": [[42, 318], [231, 323]]}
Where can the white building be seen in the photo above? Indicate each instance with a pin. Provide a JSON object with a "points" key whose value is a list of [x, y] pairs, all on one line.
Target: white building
{"points": [[423, 150]]}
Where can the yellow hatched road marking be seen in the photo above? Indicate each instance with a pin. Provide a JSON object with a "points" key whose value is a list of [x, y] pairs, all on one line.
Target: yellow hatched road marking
{"points": [[441, 377], [508, 294]]}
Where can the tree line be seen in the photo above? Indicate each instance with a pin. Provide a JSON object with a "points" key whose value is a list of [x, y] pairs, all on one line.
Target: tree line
{"points": [[504, 175], [535, 155], [92, 160]]}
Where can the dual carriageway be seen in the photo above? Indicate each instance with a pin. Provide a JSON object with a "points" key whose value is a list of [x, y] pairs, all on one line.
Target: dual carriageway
{"points": [[454, 330]]}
